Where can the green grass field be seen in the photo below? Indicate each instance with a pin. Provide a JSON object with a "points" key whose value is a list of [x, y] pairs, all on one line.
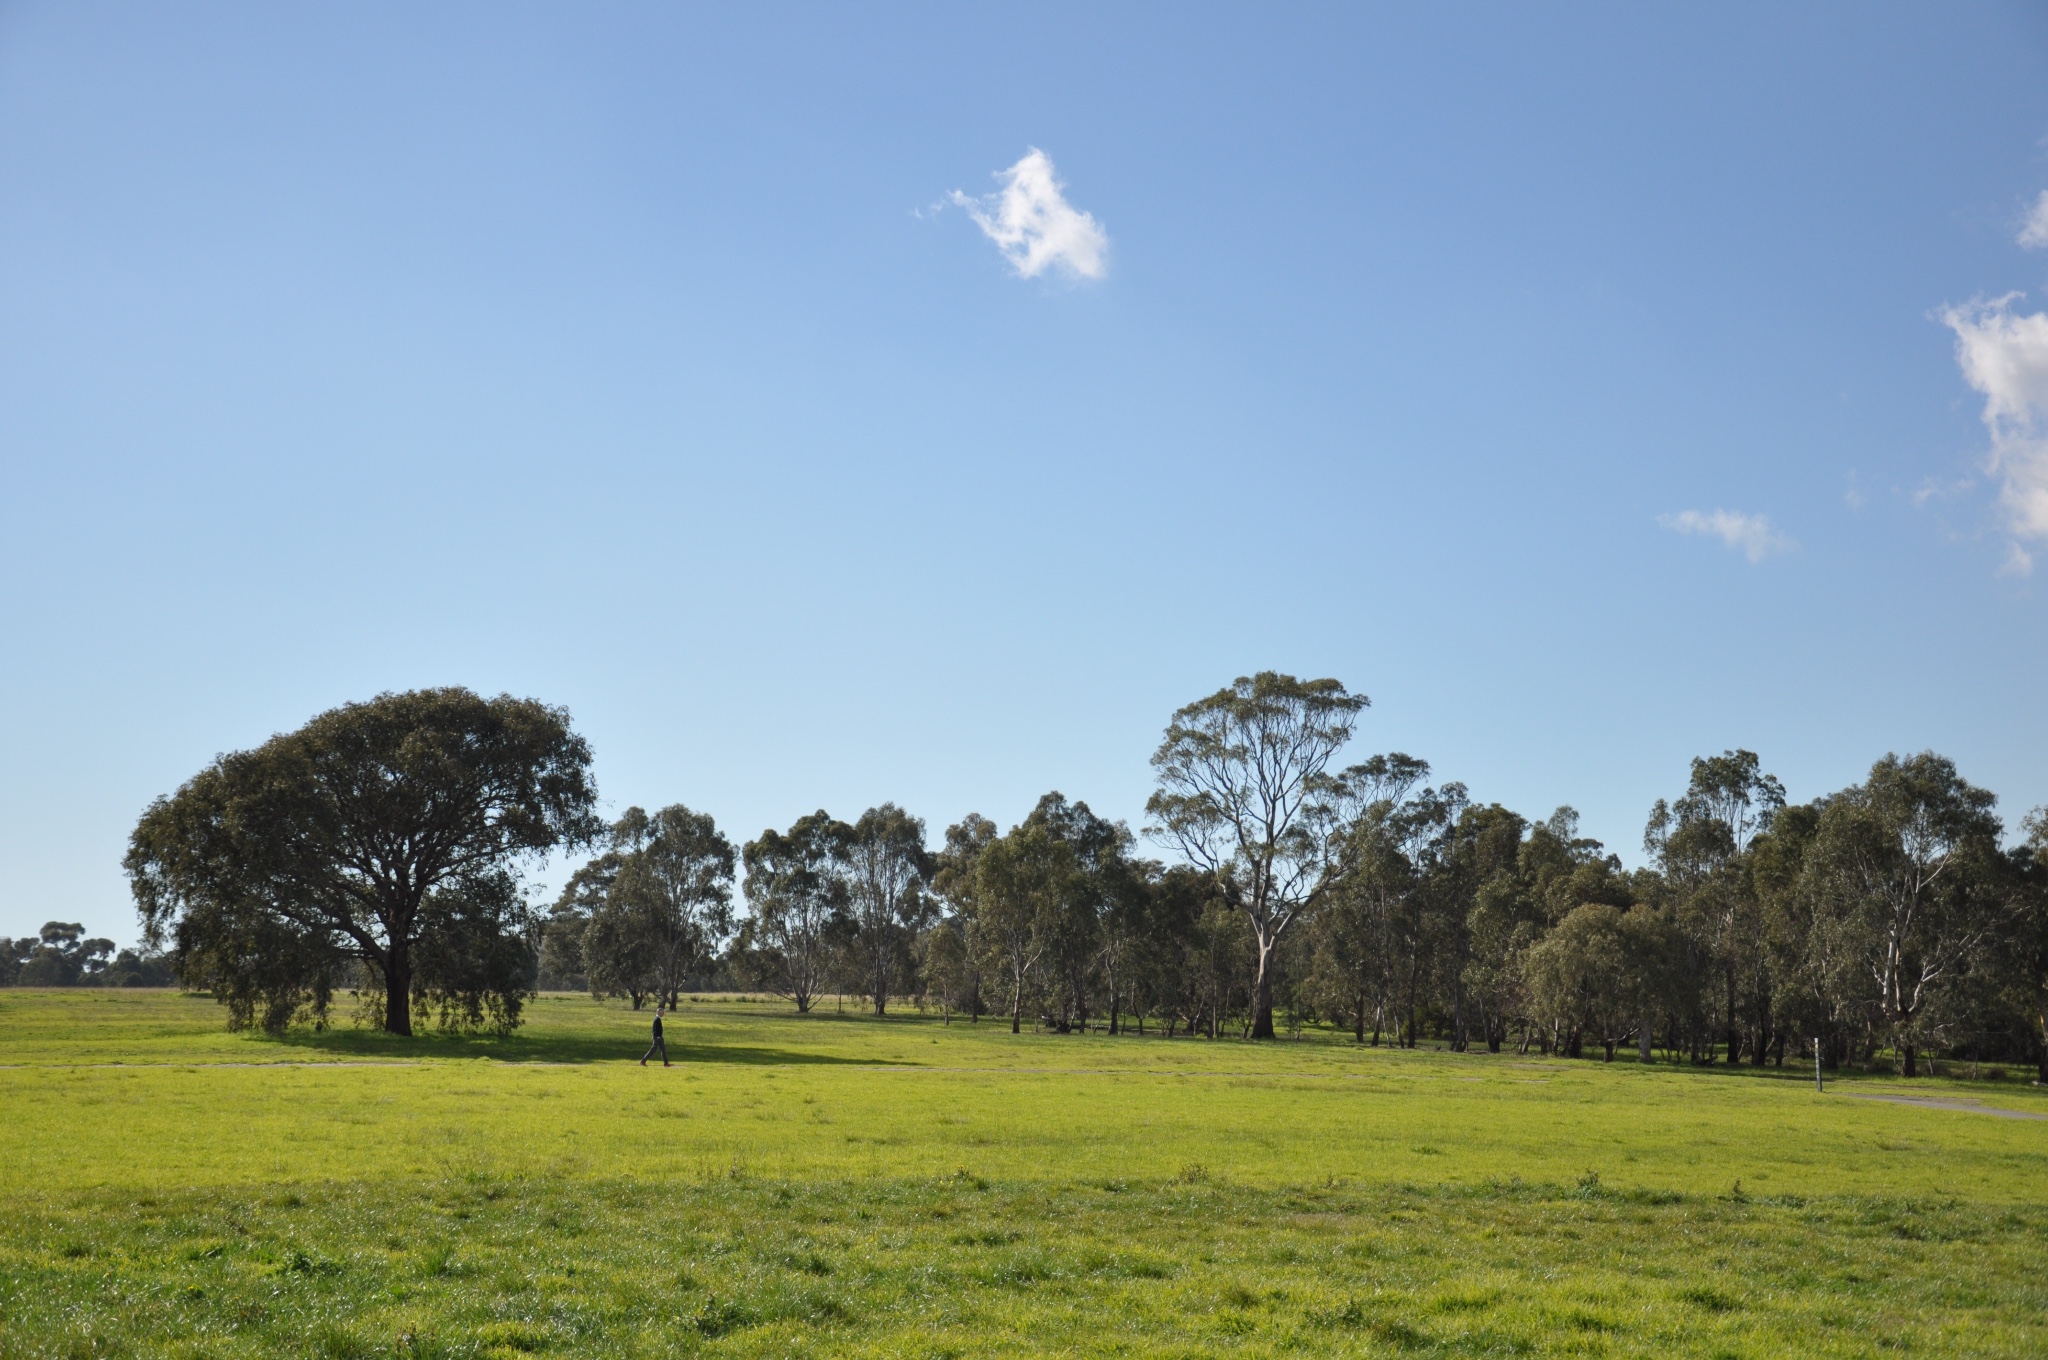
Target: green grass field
{"points": [[843, 1186]]}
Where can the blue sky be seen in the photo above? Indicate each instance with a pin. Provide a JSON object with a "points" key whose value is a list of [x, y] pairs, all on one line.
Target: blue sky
{"points": [[654, 363]]}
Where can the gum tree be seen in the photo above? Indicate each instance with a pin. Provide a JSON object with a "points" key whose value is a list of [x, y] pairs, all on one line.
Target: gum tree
{"points": [[669, 905], [384, 835], [1246, 794], [796, 893], [1021, 881], [1701, 842], [1911, 884], [886, 871]]}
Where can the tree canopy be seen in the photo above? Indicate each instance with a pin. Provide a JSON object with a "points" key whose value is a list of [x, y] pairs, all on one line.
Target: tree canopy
{"points": [[659, 903], [1245, 792], [797, 888], [379, 844]]}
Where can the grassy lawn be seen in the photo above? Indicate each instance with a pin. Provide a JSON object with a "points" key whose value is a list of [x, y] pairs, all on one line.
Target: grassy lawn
{"points": [[839, 1185]]}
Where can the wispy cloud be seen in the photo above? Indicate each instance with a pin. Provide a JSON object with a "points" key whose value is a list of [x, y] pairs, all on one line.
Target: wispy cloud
{"points": [[2034, 231], [2004, 355], [1032, 223], [1750, 535]]}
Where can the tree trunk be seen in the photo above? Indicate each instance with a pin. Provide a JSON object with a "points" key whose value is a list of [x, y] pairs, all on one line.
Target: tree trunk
{"points": [[1912, 1057], [1643, 1041], [398, 992], [1262, 997], [1734, 1038], [1017, 1009], [1359, 1029]]}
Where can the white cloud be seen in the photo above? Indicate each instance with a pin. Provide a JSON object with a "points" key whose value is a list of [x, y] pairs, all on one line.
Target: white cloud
{"points": [[2004, 356], [2034, 231], [1751, 535], [1034, 226]]}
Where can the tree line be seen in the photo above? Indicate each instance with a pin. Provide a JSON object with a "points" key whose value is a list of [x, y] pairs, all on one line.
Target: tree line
{"points": [[1888, 922], [1884, 920], [61, 955]]}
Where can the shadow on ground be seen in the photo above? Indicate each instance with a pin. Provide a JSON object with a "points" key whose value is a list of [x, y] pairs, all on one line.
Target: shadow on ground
{"points": [[344, 1044]]}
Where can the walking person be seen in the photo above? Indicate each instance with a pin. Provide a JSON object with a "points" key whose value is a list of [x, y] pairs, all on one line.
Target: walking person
{"points": [[657, 1046]]}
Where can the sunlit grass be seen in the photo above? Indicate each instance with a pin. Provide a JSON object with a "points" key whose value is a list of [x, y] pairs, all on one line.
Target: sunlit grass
{"points": [[835, 1185]]}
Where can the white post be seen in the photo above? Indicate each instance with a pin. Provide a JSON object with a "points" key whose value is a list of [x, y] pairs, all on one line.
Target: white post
{"points": [[1816, 1067]]}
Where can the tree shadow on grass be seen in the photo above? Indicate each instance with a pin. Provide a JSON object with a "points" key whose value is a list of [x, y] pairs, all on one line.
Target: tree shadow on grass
{"points": [[362, 1045]]}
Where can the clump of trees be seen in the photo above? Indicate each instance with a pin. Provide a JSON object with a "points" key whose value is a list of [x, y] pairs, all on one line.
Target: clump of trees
{"points": [[60, 955], [1885, 923], [1888, 922], [832, 904], [649, 914]]}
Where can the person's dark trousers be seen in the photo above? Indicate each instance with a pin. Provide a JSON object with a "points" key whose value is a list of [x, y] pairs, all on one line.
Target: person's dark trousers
{"points": [[658, 1046]]}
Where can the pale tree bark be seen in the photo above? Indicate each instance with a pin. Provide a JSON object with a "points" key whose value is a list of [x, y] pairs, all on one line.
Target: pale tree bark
{"points": [[1245, 793]]}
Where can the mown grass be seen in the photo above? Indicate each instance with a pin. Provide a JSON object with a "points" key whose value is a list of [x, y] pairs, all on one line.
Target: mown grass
{"points": [[838, 1186]]}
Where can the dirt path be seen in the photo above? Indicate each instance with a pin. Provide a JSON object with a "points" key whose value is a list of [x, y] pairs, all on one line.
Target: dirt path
{"points": [[1937, 1103]]}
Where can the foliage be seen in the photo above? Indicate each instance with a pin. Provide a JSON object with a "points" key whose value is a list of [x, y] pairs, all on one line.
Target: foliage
{"points": [[952, 963], [1885, 923], [1601, 973], [1910, 888], [379, 837], [1245, 793], [660, 903], [60, 955], [886, 871], [797, 890], [1022, 882]]}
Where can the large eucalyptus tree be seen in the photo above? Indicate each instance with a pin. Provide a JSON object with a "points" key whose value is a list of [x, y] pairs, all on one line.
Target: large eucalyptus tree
{"points": [[384, 834], [1246, 793], [886, 872], [668, 908], [1913, 890], [797, 891]]}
